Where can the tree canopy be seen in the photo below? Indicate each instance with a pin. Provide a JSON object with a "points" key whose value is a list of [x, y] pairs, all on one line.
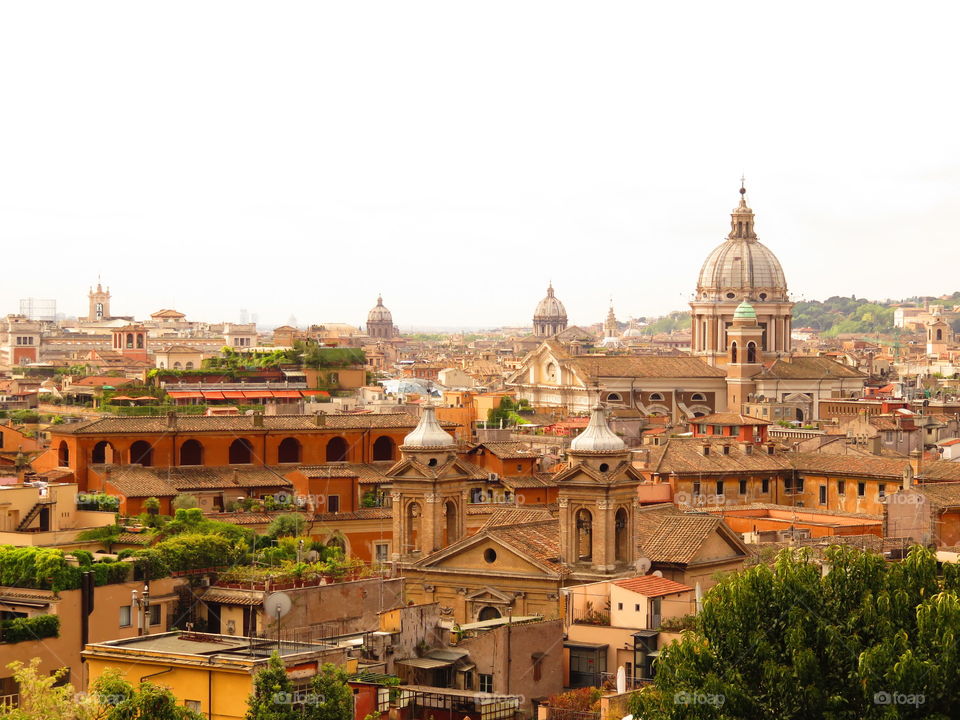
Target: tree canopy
{"points": [[856, 638]]}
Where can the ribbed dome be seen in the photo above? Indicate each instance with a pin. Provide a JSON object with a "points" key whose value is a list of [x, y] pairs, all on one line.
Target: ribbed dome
{"points": [[428, 433], [742, 267], [550, 308], [597, 435], [379, 314]]}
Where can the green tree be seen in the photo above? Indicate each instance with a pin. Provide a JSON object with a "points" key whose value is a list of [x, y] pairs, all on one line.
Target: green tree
{"points": [[272, 697], [184, 501], [41, 698], [287, 525], [333, 697], [119, 700], [107, 536], [865, 639]]}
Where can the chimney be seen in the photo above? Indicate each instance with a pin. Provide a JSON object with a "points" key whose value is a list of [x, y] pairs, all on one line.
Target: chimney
{"points": [[916, 458], [172, 419], [258, 419], [907, 477], [320, 418]]}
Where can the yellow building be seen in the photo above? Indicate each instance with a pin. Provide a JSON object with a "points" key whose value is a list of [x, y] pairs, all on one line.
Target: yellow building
{"points": [[210, 674]]}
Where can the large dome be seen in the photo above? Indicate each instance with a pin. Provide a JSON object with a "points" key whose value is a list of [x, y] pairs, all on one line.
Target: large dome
{"points": [[742, 267], [550, 308], [379, 314]]}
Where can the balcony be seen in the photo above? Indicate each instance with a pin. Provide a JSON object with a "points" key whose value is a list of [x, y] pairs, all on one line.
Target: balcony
{"points": [[589, 616]]}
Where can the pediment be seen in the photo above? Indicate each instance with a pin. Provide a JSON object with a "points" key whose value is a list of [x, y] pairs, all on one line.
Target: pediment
{"points": [[489, 594]]}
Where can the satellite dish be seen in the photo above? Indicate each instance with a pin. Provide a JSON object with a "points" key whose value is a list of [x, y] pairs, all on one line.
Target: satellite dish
{"points": [[643, 565], [277, 605], [657, 573], [313, 556]]}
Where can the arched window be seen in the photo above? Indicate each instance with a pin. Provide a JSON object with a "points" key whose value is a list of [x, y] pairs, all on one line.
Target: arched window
{"points": [[698, 397], [102, 453], [584, 535], [141, 453], [614, 397], [337, 541], [191, 453], [241, 452], [939, 334], [383, 448], [733, 352], [451, 528], [130, 340], [488, 613], [139, 341], [412, 540], [177, 365], [621, 536], [751, 352], [656, 397], [162, 366], [551, 371], [189, 365], [288, 451], [63, 454], [336, 450]]}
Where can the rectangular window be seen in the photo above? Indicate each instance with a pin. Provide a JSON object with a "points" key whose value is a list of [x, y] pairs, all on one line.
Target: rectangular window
{"points": [[381, 552], [719, 487], [883, 490], [636, 607], [823, 494], [703, 429], [861, 489], [696, 487], [155, 612], [333, 503], [486, 683], [619, 606], [124, 616], [841, 487], [193, 705], [765, 486], [800, 485], [537, 666], [743, 487]]}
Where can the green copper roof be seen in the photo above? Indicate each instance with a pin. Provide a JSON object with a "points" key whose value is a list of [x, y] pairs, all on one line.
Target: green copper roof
{"points": [[745, 311]]}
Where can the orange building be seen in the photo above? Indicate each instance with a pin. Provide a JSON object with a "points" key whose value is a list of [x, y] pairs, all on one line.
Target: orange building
{"points": [[216, 441]]}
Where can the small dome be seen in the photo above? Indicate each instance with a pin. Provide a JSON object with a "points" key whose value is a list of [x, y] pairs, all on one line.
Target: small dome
{"points": [[597, 435], [744, 311], [379, 314], [550, 308], [428, 433]]}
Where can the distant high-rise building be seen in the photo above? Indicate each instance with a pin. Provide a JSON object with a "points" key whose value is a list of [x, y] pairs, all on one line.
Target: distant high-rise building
{"points": [[39, 310]]}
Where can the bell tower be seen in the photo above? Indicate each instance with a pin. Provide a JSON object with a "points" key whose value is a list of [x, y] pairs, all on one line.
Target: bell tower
{"points": [[429, 491], [598, 501], [99, 304], [744, 356]]}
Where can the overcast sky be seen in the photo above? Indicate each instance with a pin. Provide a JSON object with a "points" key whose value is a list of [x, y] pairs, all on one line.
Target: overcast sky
{"points": [[298, 158]]}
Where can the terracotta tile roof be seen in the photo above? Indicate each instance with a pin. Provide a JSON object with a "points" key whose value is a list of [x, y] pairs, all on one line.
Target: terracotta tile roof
{"points": [[516, 516], [685, 456], [240, 423], [865, 465], [100, 381], [942, 494], [372, 472], [729, 419], [232, 597], [129, 538], [678, 538], [507, 450], [526, 481], [652, 586], [539, 540], [649, 517], [137, 481], [379, 513], [643, 366], [940, 470], [801, 367]]}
